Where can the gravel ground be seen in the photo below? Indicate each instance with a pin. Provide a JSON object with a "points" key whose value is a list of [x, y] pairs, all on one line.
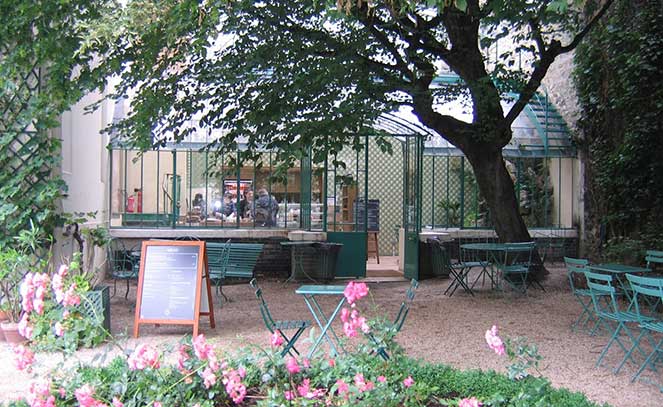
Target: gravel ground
{"points": [[438, 329]]}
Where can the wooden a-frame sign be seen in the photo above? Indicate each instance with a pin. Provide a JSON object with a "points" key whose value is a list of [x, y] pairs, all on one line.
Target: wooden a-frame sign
{"points": [[170, 282]]}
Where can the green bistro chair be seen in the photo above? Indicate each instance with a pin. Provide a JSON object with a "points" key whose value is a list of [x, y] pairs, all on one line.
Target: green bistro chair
{"points": [[602, 285], [280, 326], [654, 258], [442, 265], [649, 323], [217, 261], [470, 259], [123, 263], [515, 265], [397, 325], [575, 269]]}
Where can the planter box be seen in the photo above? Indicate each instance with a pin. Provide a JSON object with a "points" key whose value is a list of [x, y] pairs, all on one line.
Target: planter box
{"points": [[97, 303]]}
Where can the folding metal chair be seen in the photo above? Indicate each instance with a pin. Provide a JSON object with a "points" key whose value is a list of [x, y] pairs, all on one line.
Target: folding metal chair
{"points": [[654, 258], [280, 325], [602, 285], [123, 263], [442, 265], [396, 326], [575, 270], [649, 323], [470, 259], [515, 265]]}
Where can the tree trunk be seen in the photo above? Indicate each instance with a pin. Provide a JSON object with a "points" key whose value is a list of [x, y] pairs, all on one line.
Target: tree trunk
{"points": [[496, 187]]}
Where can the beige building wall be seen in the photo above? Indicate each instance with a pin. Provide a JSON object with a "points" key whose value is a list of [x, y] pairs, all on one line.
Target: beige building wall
{"points": [[84, 168], [564, 193]]}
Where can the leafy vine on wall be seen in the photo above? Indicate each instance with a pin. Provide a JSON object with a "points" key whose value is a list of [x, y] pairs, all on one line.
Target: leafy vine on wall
{"points": [[621, 98]]}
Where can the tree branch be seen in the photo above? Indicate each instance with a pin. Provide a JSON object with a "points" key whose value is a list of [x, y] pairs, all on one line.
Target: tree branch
{"points": [[546, 59], [588, 27], [538, 38], [390, 47]]}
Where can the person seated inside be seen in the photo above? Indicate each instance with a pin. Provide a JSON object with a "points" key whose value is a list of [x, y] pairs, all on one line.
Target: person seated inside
{"points": [[245, 207], [266, 208], [200, 206], [229, 207], [225, 208]]}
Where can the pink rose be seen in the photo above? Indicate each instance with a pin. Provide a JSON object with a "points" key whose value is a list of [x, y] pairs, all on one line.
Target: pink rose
{"points": [[469, 402], [201, 348], [59, 329], [408, 382], [345, 314], [493, 340], [276, 340], [342, 387], [209, 377], [24, 327], [23, 357], [292, 365], [354, 291], [144, 356], [382, 379], [362, 384], [84, 397]]}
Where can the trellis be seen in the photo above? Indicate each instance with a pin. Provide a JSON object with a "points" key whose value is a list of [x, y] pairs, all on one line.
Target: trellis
{"points": [[28, 155]]}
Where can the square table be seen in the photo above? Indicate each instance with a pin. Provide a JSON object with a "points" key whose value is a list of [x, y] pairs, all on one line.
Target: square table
{"points": [[619, 271], [310, 292], [297, 254], [495, 257]]}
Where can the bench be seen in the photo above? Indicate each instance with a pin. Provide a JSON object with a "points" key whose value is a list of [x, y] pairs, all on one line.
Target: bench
{"points": [[234, 260]]}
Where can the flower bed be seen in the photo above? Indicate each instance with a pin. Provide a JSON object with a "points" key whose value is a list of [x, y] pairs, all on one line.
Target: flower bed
{"points": [[204, 376]]}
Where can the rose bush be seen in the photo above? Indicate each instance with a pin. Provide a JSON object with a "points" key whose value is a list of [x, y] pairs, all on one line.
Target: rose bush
{"points": [[53, 316]]}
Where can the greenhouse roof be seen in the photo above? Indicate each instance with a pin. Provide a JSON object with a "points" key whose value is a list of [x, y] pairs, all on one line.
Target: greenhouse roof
{"points": [[531, 136], [539, 130]]}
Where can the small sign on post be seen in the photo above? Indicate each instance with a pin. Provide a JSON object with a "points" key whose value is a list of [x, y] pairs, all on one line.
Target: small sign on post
{"points": [[170, 285]]}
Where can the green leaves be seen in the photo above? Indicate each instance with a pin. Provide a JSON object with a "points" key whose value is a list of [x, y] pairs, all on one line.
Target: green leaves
{"points": [[620, 118]]}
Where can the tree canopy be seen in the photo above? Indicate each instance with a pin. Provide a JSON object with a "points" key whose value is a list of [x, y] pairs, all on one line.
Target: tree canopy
{"points": [[294, 75], [285, 73]]}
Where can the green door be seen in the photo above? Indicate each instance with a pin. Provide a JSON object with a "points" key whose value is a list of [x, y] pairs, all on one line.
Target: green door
{"points": [[351, 261], [412, 161], [345, 185]]}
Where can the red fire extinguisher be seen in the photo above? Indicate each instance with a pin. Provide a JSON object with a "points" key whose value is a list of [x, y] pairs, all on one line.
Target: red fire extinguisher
{"points": [[130, 203], [139, 200]]}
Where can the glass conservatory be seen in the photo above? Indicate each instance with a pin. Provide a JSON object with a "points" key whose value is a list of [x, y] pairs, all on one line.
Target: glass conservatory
{"points": [[423, 183]]}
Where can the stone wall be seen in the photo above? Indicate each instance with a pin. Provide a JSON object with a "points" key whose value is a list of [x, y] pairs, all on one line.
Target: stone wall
{"points": [[562, 91]]}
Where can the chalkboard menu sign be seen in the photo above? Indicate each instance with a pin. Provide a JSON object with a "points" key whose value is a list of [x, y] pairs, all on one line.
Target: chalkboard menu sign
{"points": [[170, 284], [373, 214]]}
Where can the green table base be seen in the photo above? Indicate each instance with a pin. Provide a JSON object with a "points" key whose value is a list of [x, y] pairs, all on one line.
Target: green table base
{"points": [[309, 292]]}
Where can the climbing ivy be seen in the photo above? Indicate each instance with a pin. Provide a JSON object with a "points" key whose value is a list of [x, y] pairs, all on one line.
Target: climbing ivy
{"points": [[41, 75], [621, 97]]}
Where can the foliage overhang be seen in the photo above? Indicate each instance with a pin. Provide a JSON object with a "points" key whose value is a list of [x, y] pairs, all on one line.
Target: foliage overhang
{"points": [[331, 71]]}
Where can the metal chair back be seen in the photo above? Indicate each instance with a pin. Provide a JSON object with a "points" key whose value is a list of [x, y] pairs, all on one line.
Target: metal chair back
{"points": [[602, 285], [647, 287], [405, 305], [654, 258], [264, 309], [575, 267]]}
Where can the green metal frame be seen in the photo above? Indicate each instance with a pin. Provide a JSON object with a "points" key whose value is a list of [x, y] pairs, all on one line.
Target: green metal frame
{"points": [[413, 156], [280, 326]]}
